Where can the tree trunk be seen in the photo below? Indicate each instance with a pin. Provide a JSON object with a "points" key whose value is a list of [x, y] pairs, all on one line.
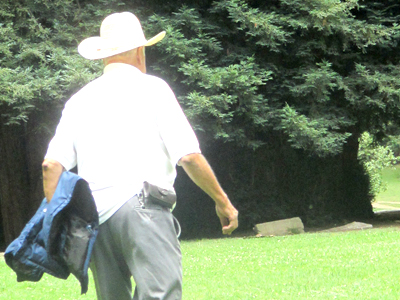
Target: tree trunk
{"points": [[22, 148], [14, 194]]}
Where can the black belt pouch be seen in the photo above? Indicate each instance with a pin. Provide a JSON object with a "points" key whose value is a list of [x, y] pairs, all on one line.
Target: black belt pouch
{"points": [[156, 195]]}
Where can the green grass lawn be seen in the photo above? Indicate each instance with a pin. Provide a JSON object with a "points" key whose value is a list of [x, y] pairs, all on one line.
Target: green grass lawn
{"points": [[351, 265], [392, 177]]}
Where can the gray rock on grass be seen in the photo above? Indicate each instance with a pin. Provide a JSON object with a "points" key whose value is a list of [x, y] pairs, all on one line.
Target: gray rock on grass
{"points": [[280, 227]]}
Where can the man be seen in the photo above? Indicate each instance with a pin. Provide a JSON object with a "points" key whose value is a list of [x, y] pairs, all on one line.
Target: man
{"points": [[123, 129]]}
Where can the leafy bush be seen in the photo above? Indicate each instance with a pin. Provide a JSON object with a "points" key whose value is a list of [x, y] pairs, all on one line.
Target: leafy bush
{"points": [[375, 157]]}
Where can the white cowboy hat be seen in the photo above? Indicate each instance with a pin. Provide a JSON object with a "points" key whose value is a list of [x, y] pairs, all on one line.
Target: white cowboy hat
{"points": [[119, 32]]}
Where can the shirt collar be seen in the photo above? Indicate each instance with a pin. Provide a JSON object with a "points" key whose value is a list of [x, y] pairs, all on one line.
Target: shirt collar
{"points": [[119, 66]]}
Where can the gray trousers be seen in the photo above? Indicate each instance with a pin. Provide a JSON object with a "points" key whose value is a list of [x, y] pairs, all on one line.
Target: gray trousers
{"points": [[141, 242]]}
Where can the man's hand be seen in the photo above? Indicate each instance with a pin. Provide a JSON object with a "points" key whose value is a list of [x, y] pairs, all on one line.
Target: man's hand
{"points": [[198, 169], [228, 216]]}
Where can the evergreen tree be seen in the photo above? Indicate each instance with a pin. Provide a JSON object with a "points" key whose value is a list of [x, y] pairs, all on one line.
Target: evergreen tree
{"points": [[265, 77], [278, 92], [39, 70]]}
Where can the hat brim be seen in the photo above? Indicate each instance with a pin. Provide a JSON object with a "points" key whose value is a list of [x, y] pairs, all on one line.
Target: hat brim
{"points": [[97, 48]]}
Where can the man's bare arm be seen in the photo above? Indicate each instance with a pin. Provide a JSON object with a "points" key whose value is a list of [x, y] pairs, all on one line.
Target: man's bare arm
{"points": [[52, 171], [198, 169]]}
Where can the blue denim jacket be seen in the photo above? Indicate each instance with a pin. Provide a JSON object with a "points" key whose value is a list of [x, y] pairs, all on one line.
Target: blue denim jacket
{"points": [[59, 238]]}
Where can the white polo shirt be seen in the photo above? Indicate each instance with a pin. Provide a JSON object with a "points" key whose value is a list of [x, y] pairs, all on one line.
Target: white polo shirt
{"points": [[122, 129]]}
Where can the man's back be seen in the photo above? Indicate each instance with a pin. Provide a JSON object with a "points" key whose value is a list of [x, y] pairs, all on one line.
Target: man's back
{"points": [[122, 129]]}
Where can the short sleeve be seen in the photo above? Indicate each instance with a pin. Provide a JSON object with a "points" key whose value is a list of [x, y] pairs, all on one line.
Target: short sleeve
{"points": [[61, 147], [175, 130]]}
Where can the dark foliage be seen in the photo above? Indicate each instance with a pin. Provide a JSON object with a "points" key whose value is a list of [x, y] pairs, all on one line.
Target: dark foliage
{"points": [[278, 92]]}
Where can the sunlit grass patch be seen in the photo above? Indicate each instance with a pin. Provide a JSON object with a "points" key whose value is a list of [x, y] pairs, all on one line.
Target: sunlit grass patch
{"points": [[392, 194], [349, 265]]}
